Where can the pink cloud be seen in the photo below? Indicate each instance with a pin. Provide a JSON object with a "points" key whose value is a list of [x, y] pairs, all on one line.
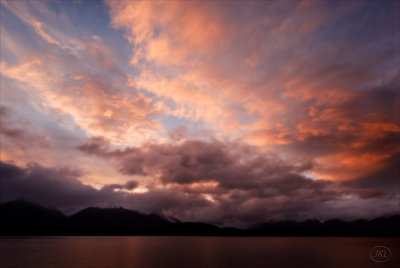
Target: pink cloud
{"points": [[293, 109]]}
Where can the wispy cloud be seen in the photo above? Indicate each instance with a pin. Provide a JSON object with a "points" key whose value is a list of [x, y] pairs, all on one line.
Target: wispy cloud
{"points": [[279, 108]]}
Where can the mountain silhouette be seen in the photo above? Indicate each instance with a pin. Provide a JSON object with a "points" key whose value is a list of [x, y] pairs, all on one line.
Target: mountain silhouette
{"points": [[116, 221], [29, 218], [22, 217]]}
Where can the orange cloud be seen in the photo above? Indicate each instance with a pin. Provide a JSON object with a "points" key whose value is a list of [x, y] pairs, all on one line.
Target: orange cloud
{"points": [[244, 85], [263, 90], [168, 32], [349, 165]]}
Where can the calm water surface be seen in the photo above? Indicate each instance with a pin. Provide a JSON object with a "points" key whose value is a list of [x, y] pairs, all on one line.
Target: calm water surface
{"points": [[192, 252]]}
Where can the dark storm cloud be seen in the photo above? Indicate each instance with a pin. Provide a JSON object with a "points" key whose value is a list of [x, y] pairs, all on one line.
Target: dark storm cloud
{"points": [[242, 184], [231, 165], [55, 187], [61, 188], [291, 197]]}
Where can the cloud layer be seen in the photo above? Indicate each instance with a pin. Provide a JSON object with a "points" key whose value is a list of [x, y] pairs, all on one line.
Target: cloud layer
{"points": [[226, 112]]}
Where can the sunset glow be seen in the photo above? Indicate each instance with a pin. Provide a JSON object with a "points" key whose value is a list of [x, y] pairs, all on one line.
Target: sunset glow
{"points": [[224, 112]]}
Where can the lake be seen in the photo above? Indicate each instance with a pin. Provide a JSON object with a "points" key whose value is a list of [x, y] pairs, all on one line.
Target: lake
{"points": [[192, 252]]}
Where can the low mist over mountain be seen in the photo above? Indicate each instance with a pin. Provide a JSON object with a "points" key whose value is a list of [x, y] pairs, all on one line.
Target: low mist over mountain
{"points": [[28, 218]]}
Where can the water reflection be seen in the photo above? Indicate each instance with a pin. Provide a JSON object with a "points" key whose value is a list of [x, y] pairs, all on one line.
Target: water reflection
{"points": [[149, 252]]}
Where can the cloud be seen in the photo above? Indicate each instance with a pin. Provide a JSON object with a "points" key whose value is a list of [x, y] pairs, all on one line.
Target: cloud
{"points": [[60, 187], [22, 12], [231, 164], [81, 78], [184, 29], [291, 85], [54, 187], [385, 179], [231, 175], [224, 165], [130, 185], [95, 104], [287, 107], [290, 199]]}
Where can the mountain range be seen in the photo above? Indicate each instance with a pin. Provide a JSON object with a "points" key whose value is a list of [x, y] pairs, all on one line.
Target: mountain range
{"points": [[28, 218]]}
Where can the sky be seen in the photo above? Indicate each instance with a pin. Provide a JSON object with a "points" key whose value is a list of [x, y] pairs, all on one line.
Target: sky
{"points": [[226, 112]]}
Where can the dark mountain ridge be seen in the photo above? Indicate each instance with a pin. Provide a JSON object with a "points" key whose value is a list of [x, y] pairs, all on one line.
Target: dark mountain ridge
{"points": [[28, 218]]}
